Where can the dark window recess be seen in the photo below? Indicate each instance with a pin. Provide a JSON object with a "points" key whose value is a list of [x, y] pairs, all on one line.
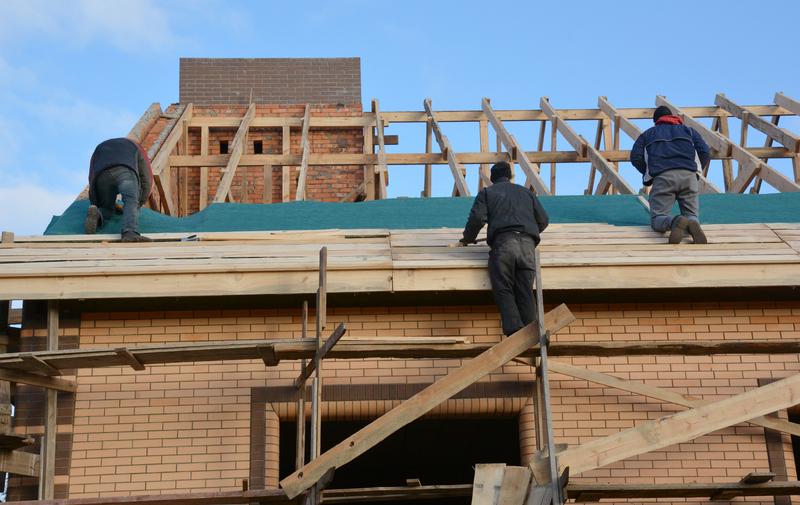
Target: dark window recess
{"points": [[223, 147], [258, 147], [435, 451]]}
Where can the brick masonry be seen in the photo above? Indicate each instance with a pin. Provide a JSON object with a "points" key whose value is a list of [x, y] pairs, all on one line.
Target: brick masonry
{"points": [[206, 81], [176, 428]]}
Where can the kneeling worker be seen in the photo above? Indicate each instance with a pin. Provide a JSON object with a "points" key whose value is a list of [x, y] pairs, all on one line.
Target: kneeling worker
{"points": [[118, 166], [515, 217], [669, 156]]}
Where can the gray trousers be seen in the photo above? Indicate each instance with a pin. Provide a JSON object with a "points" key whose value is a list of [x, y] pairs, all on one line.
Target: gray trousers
{"points": [[119, 180], [511, 267], [675, 184]]}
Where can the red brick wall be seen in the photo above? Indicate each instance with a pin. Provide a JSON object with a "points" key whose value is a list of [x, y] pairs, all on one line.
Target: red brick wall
{"points": [[205, 81], [182, 427]]}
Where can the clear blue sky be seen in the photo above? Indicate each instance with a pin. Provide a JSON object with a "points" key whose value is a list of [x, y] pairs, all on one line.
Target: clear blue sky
{"points": [[73, 73]]}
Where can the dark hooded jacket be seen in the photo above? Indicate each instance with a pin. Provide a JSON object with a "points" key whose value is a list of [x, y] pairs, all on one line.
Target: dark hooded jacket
{"points": [[507, 207], [669, 145], [121, 152]]}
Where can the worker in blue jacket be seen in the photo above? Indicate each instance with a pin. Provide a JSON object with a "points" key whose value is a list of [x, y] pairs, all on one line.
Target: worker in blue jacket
{"points": [[669, 155]]}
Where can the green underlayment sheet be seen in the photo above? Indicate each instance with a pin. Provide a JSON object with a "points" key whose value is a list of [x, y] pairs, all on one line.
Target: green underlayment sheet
{"points": [[408, 213]]}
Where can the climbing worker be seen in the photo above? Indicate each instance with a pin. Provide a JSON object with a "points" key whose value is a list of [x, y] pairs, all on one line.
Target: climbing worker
{"points": [[516, 218], [118, 166], [669, 156]]}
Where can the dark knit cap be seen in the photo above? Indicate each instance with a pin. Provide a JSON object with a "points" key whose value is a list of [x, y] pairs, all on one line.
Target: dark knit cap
{"points": [[500, 170], [661, 110]]}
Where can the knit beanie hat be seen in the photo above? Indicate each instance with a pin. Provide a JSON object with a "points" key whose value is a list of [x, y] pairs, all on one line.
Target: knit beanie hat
{"points": [[500, 170], [661, 110]]}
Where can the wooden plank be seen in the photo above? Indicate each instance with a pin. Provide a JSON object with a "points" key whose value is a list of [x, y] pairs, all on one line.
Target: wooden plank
{"points": [[484, 175], [267, 183], [681, 427], [788, 103], [5, 386], [48, 448], [300, 438], [428, 174], [381, 167], [531, 169], [305, 148], [126, 355], [422, 402], [21, 377], [514, 489], [658, 393], [751, 165], [306, 371], [237, 148], [595, 492], [369, 168], [487, 484], [286, 143], [203, 170], [19, 463], [447, 149], [785, 137]]}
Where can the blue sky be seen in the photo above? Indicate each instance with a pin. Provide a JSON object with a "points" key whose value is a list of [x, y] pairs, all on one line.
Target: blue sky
{"points": [[73, 73]]}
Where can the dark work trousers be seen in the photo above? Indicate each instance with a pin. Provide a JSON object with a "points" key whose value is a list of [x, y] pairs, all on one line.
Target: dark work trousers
{"points": [[119, 180], [511, 267]]}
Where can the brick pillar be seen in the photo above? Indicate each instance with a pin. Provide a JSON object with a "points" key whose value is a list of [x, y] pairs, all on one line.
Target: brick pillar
{"points": [[527, 433], [272, 449]]}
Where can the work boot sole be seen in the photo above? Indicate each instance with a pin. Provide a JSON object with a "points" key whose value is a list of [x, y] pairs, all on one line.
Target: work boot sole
{"points": [[92, 218], [697, 233], [678, 230], [134, 237]]}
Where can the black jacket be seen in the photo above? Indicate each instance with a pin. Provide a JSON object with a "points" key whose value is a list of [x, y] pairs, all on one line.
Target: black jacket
{"points": [[507, 207], [121, 152], [668, 146]]}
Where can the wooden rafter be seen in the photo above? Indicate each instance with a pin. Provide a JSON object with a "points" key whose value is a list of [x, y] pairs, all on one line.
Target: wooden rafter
{"points": [[788, 103], [751, 165], [516, 153], [585, 149], [456, 168], [421, 403], [161, 161], [681, 427], [305, 146], [633, 132], [236, 150], [785, 137], [145, 123], [381, 165], [660, 394]]}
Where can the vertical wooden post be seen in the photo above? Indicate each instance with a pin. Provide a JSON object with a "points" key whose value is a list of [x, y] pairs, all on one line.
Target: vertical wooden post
{"points": [[286, 190], [553, 140], [5, 386], [48, 456], [300, 446], [7, 237], [426, 190], [592, 170], [369, 168], [484, 169], [727, 165], [267, 183], [316, 413], [203, 170]]}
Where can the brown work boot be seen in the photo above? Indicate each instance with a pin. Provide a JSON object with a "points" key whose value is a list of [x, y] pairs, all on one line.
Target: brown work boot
{"points": [[92, 218], [679, 226], [132, 236], [696, 232]]}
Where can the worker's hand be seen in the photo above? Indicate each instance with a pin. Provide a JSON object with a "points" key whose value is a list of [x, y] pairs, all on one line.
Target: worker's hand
{"points": [[462, 243]]}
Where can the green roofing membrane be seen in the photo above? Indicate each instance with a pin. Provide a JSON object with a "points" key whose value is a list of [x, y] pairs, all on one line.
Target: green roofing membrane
{"points": [[410, 213]]}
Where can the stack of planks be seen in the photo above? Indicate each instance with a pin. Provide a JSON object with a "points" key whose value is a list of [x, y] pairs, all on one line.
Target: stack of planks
{"points": [[498, 484]]}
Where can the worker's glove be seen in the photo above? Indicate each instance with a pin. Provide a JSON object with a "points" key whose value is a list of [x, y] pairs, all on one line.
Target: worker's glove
{"points": [[463, 243]]}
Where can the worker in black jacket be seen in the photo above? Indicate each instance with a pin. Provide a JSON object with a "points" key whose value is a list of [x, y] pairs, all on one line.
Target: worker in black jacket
{"points": [[515, 217], [118, 166]]}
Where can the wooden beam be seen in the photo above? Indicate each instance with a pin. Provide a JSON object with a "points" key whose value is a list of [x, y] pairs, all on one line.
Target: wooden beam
{"points": [[517, 154], [5, 385], [19, 463], [660, 394], [126, 355], [422, 402], [268, 355], [286, 142], [306, 371], [236, 150], [447, 150], [203, 170], [785, 137], [305, 148], [21, 377], [788, 103], [300, 438], [633, 132], [428, 174], [484, 176], [681, 427], [48, 446], [194, 498], [145, 123], [161, 161], [596, 492], [36, 364], [381, 167], [751, 165]]}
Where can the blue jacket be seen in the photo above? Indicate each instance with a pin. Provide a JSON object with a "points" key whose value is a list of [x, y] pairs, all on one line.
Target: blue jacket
{"points": [[667, 146]]}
